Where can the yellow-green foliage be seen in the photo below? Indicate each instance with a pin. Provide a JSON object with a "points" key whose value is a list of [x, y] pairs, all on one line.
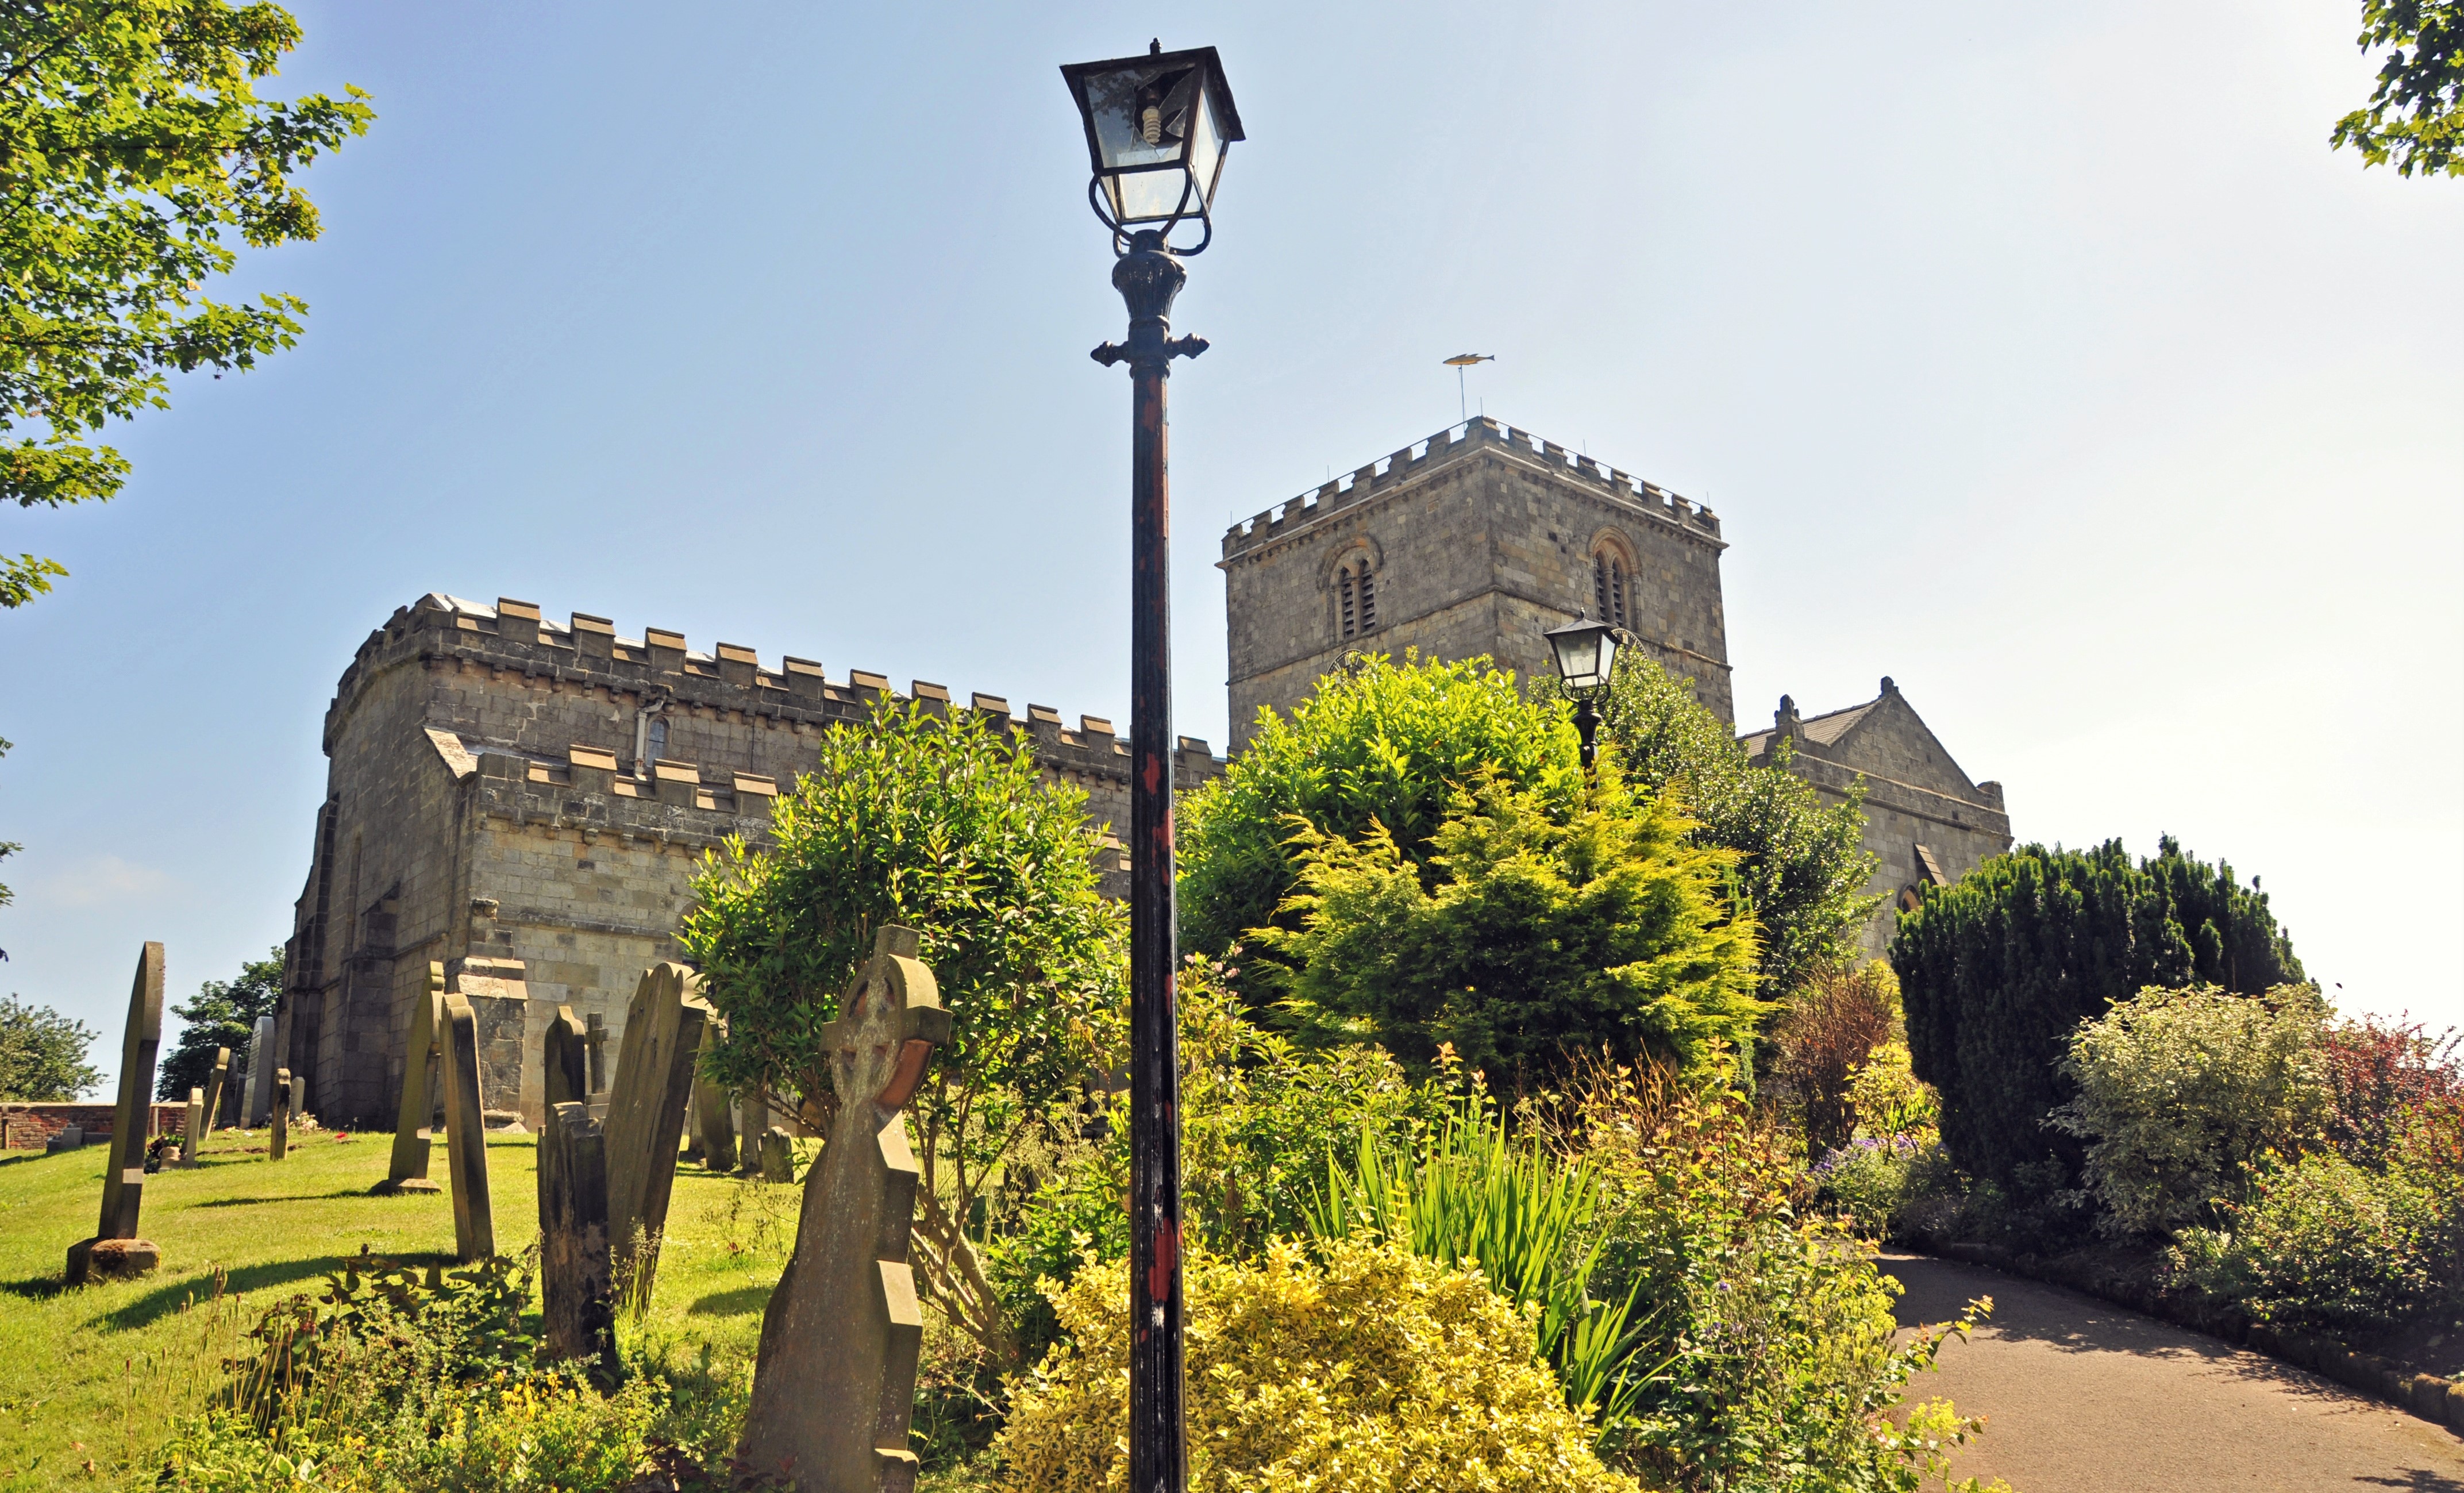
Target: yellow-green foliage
{"points": [[1374, 1372]]}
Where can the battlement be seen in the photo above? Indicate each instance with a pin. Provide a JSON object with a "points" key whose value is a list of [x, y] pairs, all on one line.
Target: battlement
{"points": [[512, 641], [1455, 443]]}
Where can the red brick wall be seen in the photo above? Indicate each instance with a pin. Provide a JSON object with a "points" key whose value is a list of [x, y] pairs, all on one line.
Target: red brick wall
{"points": [[30, 1126]]}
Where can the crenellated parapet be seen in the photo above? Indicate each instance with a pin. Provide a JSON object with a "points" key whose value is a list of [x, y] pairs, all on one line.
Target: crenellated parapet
{"points": [[1454, 444]]}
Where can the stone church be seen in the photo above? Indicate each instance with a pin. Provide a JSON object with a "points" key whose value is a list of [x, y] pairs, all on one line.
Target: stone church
{"points": [[523, 799]]}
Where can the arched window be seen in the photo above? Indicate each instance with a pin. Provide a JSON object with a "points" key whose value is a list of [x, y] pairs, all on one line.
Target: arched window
{"points": [[1610, 585], [1355, 589]]}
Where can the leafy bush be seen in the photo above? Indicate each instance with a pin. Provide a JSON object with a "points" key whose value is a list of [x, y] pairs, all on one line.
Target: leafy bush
{"points": [[1871, 1179], [1372, 1372], [2379, 1073], [1802, 859], [927, 819], [1886, 1098], [2322, 1243], [1539, 937], [1380, 742], [1999, 968], [2180, 1091], [1826, 1030]]}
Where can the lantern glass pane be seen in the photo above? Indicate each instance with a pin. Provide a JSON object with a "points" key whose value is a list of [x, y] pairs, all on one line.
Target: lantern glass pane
{"points": [[1142, 114], [1577, 658], [1205, 144], [1608, 656], [1148, 196]]}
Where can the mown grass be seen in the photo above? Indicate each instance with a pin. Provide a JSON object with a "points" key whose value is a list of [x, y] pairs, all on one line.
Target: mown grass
{"points": [[90, 1379]]}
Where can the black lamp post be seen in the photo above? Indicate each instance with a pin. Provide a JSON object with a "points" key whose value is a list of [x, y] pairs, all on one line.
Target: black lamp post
{"points": [[1158, 129], [1585, 656]]}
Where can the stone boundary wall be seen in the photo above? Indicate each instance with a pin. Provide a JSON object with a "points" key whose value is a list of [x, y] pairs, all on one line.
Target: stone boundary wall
{"points": [[2428, 1395], [30, 1126]]}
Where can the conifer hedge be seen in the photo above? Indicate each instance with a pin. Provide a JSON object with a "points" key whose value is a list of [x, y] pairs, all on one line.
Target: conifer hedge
{"points": [[1997, 969]]}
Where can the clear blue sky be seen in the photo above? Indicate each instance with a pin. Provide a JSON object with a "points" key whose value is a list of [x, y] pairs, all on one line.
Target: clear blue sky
{"points": [[2043, 358]]}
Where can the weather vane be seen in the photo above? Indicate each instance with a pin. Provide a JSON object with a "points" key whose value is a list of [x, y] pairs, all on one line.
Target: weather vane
{"points": [[1458, 362]]}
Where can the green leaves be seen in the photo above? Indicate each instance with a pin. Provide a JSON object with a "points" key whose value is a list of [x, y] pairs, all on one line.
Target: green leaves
{"points": [[1532, 939], [132, 145], [2415, 118]]}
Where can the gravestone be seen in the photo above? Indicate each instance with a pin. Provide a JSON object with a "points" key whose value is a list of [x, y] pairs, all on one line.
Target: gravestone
{"points": [[565, 1059], [193, 1133], [259, 1101], [595, 1038], [277, 1123], [752, 1118], [217, 1088], [115, 1250], [778, 1154], [577, 1295], [414, 1118], [466, 1132], [646, 1116], [834, 1387], [714, 1117], [300, 1111]]}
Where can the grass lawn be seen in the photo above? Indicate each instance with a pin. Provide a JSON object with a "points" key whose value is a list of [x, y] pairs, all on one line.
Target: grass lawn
{"points": [[90, 1378]]}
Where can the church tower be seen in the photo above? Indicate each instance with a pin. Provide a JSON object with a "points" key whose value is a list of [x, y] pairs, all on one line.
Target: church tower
{"points": [[1476, 540]]}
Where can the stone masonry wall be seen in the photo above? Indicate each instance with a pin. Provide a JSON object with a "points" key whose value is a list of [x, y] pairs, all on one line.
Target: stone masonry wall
{"points": [[490, 807], [1479, 540]]}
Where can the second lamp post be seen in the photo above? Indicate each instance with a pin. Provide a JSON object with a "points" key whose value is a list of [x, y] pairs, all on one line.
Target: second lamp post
{"points": [[1158, 129]]}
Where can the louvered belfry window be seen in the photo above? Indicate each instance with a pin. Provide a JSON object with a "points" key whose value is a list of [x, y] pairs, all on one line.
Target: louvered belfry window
{"points": [[1357, 598], [1608, 587]]}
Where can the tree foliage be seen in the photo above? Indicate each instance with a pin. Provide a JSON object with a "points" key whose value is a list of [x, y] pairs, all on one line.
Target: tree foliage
{"points": [[1821, 1042], [1526, 938], [223, 1014], [1379, 742], [1999, 968], [1801, 862], [42, 1054], [927, 819], [132, 144], [2415, 118]]}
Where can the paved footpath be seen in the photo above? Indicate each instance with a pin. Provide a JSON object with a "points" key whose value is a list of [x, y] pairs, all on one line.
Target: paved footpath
{"points": [[2085, 1396]]}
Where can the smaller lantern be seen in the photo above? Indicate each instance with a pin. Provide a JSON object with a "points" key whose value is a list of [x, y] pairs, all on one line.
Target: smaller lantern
{"points": [[1158, 130], [1586, 653]]}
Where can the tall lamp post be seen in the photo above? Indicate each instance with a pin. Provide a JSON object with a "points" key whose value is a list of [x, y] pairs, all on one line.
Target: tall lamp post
{"points": [[1585, 656], [1158, 129]]}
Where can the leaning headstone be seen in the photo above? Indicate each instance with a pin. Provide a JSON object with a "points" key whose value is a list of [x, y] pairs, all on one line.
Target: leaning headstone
{"points": [[646, 1116], [466, 1132], [778, 1154], [577, 1295], [260, 1074], [834, 1386], [192, 1134], [277, 1123], [115, 1250], [414, 1116], [565, 1059], [217, 1086]]}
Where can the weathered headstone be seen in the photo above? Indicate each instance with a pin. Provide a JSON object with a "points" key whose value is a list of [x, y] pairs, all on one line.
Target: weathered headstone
{"points": [[576, 1284], [834, 1387], [259, 1102], [193, 1133], [115, 1250], [300, 1111], [466, 1132], [778, 1154], [752, 1118], [414, 1115], [714, 1117], [565, 1059], [278, 1122], [217, 1088], [594, 1036], [646, 1116]]}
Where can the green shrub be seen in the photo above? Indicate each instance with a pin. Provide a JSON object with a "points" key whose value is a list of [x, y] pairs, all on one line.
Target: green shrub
{"points": [[1372, 1372], [1379, 742], [1997, 969], [1886, 1097], [2180, 1091], [1528, 939], [2321, 1242], [1871, 1180], [1828, 1030]]}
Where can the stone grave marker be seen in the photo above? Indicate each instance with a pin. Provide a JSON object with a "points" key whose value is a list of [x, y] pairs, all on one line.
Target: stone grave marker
{"points": [[646, 1116], [594, 1036], [714, 1115], [577, 1281], [217, 1088], [259, 1099], [193, 1133], [115, 1250], [565, 1059], [466, 1132], [752, 1118], [778, 1154], [415, 1116], [278, 1122], [834, 1386]]}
